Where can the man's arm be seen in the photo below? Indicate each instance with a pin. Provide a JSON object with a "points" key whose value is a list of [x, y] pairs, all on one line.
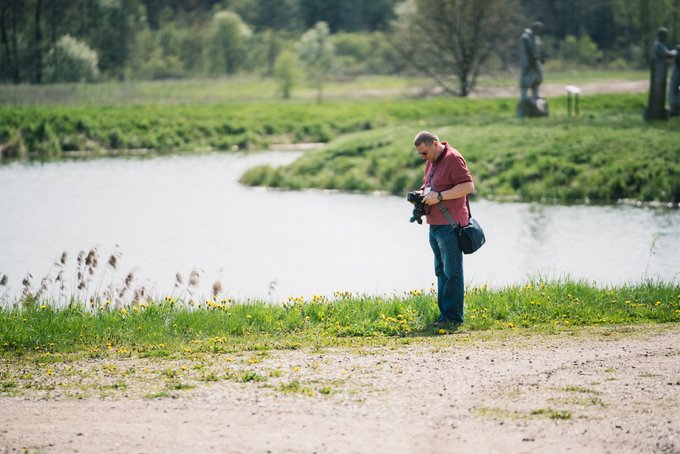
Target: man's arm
{"points": [[456, 192]]}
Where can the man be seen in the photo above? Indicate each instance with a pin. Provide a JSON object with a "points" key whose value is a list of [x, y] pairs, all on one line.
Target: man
{"points": [[447, 182]]}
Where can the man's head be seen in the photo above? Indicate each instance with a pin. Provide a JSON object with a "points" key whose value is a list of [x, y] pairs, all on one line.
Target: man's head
{"points": [[537, 27], [427, 145], [662, 34]]}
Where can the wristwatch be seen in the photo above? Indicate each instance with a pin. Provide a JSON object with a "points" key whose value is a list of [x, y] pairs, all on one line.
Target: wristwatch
{"points": [[439, 196]]}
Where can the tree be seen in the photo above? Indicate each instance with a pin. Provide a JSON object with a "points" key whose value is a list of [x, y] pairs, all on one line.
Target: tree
{"points": [[348, 15], [12, 19], [229, 41], [71, 60], [278, 15], [450, 40], [580, 51], [316, 54], [286, 72], [110, 29], [38, 50]]}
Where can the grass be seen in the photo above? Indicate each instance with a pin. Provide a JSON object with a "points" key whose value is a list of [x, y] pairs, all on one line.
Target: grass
{"points": [[500, 413], [236, 89], [51, 132], [605, 156], [241, 89], [552, 413], [54, 132], [579, 389], [159, 329]]}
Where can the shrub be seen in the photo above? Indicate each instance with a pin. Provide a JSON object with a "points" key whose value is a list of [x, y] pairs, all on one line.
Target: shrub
{"points": [[14, 146], [581, 50], [286, 73], [71, 60], [316, 52], [229, 42]]}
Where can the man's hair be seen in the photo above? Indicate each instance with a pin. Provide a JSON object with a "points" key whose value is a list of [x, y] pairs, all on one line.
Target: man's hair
{"points": [[425, 137]]}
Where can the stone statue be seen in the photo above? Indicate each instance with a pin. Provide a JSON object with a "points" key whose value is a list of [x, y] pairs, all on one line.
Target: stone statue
{"points": [[674, 88], [531, 73], [656, 105]]}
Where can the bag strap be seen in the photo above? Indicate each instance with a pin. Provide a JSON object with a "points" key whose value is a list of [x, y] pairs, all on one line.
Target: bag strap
{"points": [[447, 214], [443, 208]]}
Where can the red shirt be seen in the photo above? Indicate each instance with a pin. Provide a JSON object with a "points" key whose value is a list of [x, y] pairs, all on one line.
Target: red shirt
{"points": [[449, 170]]}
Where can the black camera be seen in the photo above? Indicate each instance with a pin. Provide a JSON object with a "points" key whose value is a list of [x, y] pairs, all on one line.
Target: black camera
{"points": [[416, 198]]}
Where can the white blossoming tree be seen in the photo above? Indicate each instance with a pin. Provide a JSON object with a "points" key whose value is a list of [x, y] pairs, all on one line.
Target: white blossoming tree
{"points": [[71, 60], [317, 54]]}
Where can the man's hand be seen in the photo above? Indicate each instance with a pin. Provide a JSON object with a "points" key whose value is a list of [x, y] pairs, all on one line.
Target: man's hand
{"points": [[430, 198]]}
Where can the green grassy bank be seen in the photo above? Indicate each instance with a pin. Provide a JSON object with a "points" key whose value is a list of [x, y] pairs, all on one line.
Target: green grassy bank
{"points": [[162, 327], [606, 154], [600, 160], [51, 131]]}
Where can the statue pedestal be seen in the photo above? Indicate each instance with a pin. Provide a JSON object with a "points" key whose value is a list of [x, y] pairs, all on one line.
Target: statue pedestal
{"points": [[530, 107], [655, 113]]}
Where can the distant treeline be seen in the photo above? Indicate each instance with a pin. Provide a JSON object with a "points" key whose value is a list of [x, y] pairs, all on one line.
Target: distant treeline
{"points": [[45, 41]]}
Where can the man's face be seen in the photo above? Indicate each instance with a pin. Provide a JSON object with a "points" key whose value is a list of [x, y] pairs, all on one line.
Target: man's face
{"points": [[426, 151]]}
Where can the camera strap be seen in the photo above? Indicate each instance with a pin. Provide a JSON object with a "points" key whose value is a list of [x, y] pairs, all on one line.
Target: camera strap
{"points": [[443, 208]]}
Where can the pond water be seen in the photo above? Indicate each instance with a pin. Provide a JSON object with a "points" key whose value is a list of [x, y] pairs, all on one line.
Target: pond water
{"points": [[178, 213]]}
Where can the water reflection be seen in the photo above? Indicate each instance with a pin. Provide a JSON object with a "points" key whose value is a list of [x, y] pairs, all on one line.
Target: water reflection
{"points": [[177, 213]]}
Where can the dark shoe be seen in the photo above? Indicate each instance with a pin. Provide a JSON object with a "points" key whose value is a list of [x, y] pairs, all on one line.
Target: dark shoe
{"points": [[450, 326]]}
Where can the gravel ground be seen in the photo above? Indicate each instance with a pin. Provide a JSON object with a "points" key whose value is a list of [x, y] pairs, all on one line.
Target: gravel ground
{"points": [[592, 390]]}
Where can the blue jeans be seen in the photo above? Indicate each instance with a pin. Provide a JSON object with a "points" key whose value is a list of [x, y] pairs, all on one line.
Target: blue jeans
{"points": [[448, 266]]}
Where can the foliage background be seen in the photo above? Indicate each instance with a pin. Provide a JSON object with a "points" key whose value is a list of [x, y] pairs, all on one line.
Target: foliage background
{"points": [[160, 39]]}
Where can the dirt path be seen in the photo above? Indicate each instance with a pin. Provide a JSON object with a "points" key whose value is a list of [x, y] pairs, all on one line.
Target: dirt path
{"points": [[550, 90], [547, 90], [604, 391]]}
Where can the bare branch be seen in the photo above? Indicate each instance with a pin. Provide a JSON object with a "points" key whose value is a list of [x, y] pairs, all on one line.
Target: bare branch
{"points": [[444, 39]]}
